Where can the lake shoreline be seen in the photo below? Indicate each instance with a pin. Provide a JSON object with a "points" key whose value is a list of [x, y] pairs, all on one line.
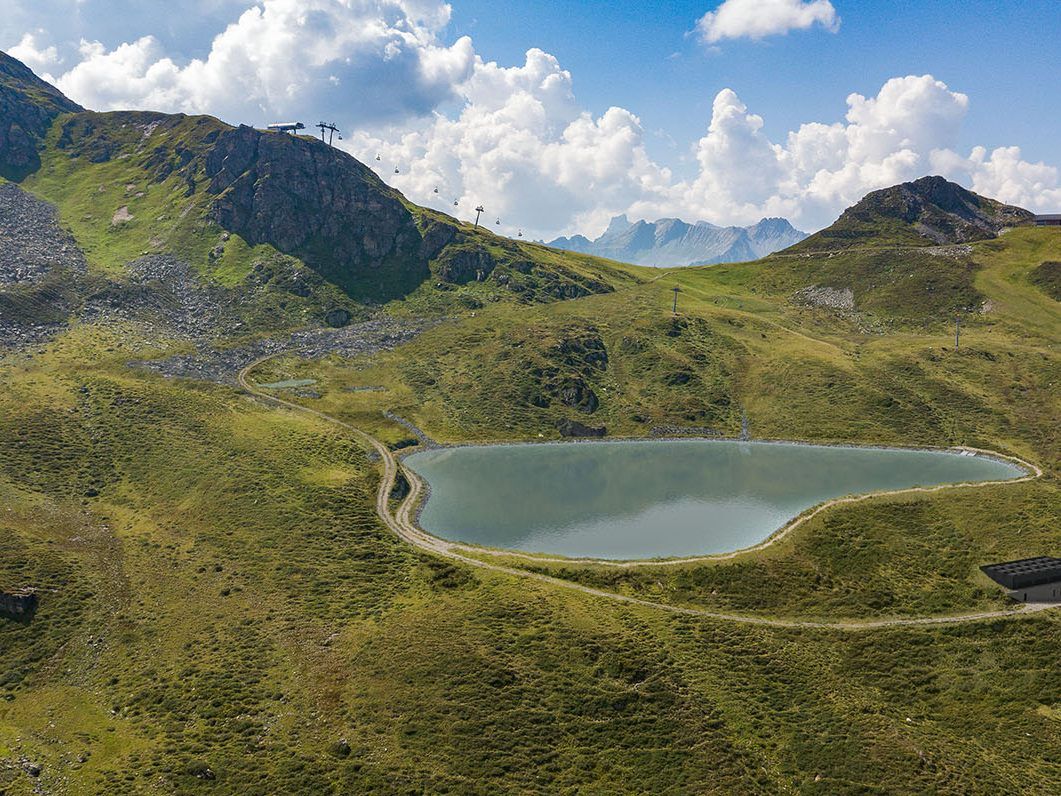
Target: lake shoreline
{"points": [[1026, 471]]}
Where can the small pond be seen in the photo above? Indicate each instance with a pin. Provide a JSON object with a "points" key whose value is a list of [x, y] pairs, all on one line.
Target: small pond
{"points": [[288, 384], [659, 498]]}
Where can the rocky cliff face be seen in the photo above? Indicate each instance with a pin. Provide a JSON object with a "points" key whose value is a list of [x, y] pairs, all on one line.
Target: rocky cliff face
{"points": [[28, 106], [319, 204]]}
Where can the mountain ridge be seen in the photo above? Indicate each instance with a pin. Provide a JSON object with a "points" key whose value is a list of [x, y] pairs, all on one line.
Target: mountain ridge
{"points": [[671, 242], [243, 208]]}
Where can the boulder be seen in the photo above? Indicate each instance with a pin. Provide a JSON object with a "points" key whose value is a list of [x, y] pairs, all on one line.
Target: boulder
{"points": [[572, 428], [337, 318]]}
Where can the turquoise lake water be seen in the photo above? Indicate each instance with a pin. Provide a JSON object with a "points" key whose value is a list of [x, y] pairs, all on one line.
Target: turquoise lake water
{"points": [[649, 499], [288, 384]]}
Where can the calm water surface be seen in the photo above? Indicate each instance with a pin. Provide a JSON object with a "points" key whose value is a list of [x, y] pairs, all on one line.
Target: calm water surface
{"points": [[659, 498]]}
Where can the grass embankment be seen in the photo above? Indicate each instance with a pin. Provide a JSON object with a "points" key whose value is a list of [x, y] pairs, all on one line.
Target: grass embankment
{"points": [[222, 611]]}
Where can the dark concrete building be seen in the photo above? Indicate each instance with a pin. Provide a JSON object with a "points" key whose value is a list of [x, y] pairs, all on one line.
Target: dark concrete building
{"points": [[1036, 580], [1048, 220]]}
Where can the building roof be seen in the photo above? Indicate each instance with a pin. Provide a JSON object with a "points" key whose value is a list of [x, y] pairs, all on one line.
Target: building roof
{"points": [[1049, 217], [1025, 572]]}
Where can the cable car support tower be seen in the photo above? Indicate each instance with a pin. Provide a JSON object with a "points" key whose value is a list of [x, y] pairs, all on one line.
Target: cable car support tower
{"points": [[332, 130]]}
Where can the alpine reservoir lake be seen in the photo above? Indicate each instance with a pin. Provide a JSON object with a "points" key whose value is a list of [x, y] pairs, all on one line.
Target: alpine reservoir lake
{"points": [[660, 498]]}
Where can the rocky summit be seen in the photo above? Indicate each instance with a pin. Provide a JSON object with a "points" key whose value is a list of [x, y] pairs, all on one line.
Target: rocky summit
{"points": [[926, 212], [319, 204]]}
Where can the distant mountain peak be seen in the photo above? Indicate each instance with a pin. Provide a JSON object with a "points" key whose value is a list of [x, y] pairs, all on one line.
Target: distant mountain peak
{"points": [[671, 242], [617, 225]]}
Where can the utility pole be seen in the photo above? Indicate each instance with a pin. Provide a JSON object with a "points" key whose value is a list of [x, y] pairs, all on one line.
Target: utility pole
{"points": [[677, 290], [957, 331], [332, 130], [478, 212]]}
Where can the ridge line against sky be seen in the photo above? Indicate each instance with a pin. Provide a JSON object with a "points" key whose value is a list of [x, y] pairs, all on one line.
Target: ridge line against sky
{"points": [[424, 85]]}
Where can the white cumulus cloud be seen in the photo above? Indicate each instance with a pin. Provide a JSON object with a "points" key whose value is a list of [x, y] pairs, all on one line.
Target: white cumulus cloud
{"points": [[520, 145], [370, 59], [39, 57], [757, 19]]}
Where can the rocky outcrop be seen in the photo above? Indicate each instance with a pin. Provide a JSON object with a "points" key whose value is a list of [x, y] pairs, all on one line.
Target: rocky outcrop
{"points": [[28, 106], [18, 605], [574, 392], [463, 265], [319, 204], [583, 349], [574, 361], [572, 428]]}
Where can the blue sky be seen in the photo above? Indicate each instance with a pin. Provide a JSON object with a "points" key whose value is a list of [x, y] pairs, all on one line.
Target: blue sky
{"points": [[1005, 55], [717, 110]]}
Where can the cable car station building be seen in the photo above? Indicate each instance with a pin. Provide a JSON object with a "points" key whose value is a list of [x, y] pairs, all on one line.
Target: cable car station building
{"points": [[1029, 580]]}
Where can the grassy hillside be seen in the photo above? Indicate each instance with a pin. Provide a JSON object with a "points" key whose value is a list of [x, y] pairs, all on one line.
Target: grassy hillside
{"points": [[222, 611], [241, 209], [134, 184]]}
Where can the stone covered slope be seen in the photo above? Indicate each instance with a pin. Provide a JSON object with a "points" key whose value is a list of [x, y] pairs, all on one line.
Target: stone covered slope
{"points": [[32, 243], [27, 107], [926, 212], [41, 269]]}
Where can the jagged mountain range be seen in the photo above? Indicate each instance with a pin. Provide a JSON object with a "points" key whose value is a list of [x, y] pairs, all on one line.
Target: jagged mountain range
{"points": [[672, 242]]}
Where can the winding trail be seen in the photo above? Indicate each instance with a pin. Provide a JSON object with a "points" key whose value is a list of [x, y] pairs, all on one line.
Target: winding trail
{"points": [[402, 523]]}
